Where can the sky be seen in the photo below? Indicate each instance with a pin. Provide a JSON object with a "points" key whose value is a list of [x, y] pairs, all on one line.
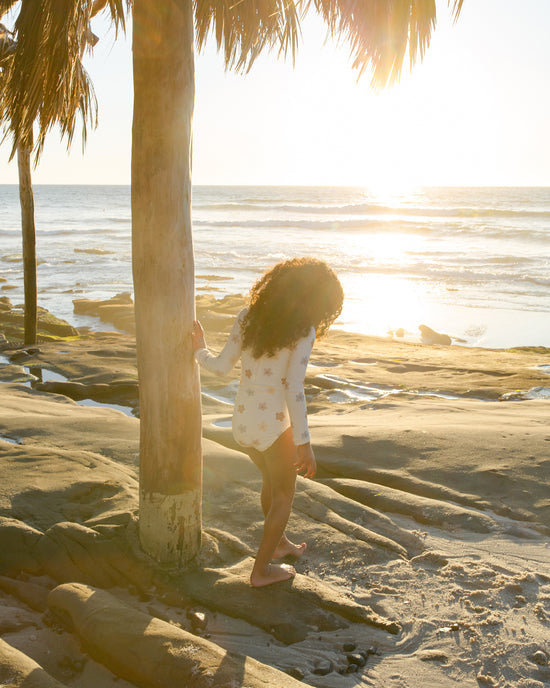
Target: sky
{"points": [[475, 112]]}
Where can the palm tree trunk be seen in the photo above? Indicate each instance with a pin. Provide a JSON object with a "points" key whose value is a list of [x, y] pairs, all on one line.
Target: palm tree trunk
{"points": [[26, 200], [163, 271]]}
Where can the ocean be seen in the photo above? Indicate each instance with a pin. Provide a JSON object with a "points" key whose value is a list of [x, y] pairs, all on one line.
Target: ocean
{"points": [[473, 263]]}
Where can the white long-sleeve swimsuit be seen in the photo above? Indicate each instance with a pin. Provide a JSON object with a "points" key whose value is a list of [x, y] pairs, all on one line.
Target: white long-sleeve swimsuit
{"points": [[271, 390]]}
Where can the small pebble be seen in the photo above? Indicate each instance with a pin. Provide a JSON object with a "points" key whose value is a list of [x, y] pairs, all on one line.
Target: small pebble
{"points": [[322, 667], [19, 356], [349, 647], [540, 658], [198, 619], [356, 659], [449, 629]]}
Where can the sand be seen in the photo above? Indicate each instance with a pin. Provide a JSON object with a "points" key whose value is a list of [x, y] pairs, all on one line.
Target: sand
{"points": [[428, 561]]}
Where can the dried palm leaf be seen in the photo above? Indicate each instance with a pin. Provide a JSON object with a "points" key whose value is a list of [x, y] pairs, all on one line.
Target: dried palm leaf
{"points": [[117, 9], [6, 5], [7, 44], [43, 82], [379, 33], [243, 28]]}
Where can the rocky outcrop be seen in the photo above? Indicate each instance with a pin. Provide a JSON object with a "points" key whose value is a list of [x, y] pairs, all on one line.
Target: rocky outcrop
{"points": [[17, 670], [122, 392], [50, 328], [216, 314], [117, 311], [290, 612], [430, 336], [152, 653]]}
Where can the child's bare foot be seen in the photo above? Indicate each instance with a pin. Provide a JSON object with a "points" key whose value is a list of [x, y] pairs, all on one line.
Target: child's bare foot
{"points": [[274, 573], [286, 548]]}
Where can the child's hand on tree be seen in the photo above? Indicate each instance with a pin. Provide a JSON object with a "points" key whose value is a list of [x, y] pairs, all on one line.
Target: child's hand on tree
{"points": [[197, 336]]}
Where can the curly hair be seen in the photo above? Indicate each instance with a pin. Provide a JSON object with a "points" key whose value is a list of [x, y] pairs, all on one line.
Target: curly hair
{"points": [[290, 299]]}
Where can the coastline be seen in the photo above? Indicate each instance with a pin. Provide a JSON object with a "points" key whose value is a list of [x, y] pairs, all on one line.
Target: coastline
{"points": [[468, 262], [427, 526]]}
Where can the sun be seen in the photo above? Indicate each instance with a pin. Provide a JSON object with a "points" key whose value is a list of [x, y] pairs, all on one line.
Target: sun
{"points": [[393, 188], [391, 182]]}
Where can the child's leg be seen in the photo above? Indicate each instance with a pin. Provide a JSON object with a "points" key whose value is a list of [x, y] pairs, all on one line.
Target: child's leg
{"points": [[285, 547], [265, 496], [279, 464]]}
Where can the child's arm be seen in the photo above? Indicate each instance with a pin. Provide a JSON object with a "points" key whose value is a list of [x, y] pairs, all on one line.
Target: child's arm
{"points": [[295, 397], [221, 364]]}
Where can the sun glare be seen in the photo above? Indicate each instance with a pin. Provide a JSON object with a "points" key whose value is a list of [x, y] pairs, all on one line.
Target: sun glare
{"points": [[386, 304], [390, 184], [393, 190]]}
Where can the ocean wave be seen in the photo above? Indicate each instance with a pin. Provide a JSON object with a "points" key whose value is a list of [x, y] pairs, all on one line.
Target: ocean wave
{"points": [[78, 235], [313, 209], [395, 225], [282, 224], [451, 275], [450, 270], [460, 257], [114, 220], [374, 209]]}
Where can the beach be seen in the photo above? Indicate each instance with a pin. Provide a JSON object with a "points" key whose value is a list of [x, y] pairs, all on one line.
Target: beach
{"points": [[428, 560]]}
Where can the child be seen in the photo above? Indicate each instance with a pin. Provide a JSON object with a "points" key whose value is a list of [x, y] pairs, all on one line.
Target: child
{"points": [[291, 304]]}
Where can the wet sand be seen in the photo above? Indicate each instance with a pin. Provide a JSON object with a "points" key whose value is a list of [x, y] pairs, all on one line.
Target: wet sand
{"points": [[428, 560]]}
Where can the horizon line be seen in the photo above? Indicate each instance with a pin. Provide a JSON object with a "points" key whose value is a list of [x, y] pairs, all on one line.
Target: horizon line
{"points": [[316, 186]]}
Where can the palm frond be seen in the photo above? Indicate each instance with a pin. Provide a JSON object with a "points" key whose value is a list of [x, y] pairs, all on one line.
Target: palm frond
{"points": [[457, 6], [7, 45], [243, 28], [380, 33], [117, 9], [6, 5], [44, 82]]}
